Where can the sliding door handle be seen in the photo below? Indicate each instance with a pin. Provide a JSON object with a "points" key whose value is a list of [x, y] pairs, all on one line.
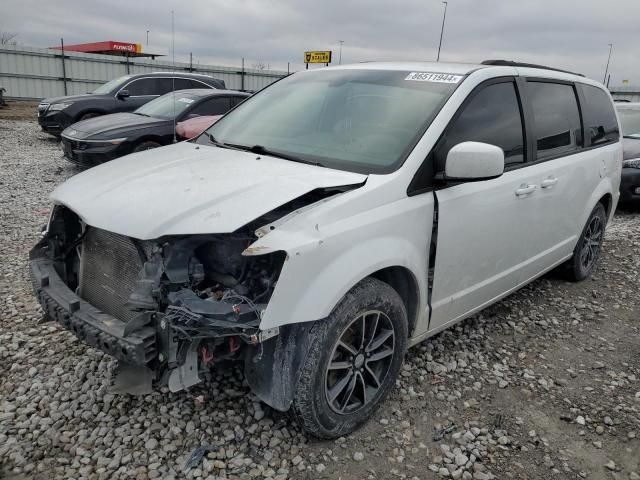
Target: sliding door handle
{"points": [[525, 189], [548, 182]]}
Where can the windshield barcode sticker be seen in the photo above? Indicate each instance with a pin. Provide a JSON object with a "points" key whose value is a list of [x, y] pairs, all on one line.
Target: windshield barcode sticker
{"points": [[185, 100], [433, 77]]}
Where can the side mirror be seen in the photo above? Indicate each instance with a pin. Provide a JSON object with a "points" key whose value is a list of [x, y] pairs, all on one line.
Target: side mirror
{"points": [[123, 94], [474, 161]]}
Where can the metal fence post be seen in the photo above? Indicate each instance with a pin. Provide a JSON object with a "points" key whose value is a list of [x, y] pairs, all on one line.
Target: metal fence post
{"points": [[64, 68], [242, 76]]}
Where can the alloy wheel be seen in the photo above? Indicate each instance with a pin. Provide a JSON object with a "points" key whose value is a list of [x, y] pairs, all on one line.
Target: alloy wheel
{"points": [[360, 362], [591, 243]]}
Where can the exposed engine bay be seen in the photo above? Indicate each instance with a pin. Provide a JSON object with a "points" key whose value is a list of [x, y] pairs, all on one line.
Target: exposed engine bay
{"points": [[193, 300]]}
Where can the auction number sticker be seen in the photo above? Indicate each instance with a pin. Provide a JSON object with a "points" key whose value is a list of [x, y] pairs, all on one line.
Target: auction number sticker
{"points": [[433, 77]]}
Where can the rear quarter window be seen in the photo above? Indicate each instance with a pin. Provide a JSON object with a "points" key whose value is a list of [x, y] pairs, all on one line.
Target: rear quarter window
{"points": [[599, 116]]}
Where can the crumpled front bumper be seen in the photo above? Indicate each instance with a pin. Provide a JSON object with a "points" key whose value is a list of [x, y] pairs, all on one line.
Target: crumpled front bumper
{"points": [[93, 327]]}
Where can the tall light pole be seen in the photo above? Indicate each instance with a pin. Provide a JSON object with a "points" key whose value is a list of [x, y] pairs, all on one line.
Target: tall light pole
{"points": [[606, 70], [340, 55], [147, 37], [444, 16]]}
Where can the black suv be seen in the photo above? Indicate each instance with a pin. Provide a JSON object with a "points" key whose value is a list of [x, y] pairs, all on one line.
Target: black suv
{"points": [[123, 94]]}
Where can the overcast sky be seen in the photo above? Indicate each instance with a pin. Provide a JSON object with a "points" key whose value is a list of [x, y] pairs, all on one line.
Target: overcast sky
{"points": [[570, 34]]}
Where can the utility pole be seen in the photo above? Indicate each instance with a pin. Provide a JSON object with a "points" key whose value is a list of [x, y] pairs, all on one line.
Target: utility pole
{"points": [[147, 38], [340, 55], [606, 70], [444, 16]]}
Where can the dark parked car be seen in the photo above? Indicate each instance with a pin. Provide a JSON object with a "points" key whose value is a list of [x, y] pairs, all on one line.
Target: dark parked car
{"points": [[123, 94], [97, 140], [629, 114]]}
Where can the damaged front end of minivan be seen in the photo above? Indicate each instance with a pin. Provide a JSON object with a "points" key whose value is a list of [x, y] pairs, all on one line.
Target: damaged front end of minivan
{"points": [[168, 309]]}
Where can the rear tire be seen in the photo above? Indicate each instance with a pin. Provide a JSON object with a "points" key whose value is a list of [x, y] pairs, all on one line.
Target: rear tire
{"points": [[354, 358], [587, 250], [148, 145]]}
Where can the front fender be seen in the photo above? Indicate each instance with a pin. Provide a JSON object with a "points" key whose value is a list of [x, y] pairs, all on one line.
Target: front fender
{"points": [[324, 261]]}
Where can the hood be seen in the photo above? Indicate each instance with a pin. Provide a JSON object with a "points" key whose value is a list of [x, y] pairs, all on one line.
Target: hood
{"points": [[631, 148], [103, 125], [190, 189], [72, 98]]}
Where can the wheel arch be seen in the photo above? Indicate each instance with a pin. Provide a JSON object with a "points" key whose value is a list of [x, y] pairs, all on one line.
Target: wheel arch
{"points": [[404, 282], [81, 113], [607, 202]]}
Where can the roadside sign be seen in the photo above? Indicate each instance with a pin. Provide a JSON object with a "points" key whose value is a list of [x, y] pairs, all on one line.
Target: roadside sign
{"points": [[317, 57]]}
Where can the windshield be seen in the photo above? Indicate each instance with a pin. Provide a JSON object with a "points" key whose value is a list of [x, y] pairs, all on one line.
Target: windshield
{"points": [[167, 106], [111, 86], [359, 120], [630, 120]]}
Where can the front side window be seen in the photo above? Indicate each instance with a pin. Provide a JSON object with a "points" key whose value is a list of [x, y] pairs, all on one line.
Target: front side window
{"points": [[600, 120], [491, 116], [556, 128], [111, 86], [168, 106], [351, 119]]}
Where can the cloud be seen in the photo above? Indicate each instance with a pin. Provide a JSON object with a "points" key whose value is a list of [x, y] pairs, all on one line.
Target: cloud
{"points": [[570, 34]]}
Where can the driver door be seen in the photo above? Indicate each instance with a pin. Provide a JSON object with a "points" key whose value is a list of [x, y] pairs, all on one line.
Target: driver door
{"points": [[484, 227]]}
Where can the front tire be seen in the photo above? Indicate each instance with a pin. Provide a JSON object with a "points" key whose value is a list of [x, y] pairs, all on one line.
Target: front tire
{"points": [[147, 145], [88, 115], [587, 250], [354, 358]]}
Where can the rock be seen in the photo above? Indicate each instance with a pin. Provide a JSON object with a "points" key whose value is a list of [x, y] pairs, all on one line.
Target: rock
{"points": [[358, 456], [151, 444], [580, 420], [611, 465]]}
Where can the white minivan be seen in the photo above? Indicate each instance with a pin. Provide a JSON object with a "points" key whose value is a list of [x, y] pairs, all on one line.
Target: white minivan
{"points": [[330, 222]]}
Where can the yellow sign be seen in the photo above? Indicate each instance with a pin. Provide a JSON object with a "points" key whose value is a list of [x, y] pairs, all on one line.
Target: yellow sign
{"points": [[317, 57]]}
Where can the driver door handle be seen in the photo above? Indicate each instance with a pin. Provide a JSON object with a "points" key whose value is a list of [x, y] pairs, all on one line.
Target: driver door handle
{"points": [[525, 189], [548, 182]]}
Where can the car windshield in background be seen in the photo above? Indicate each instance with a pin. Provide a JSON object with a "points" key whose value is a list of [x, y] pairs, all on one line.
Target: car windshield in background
{"points": [[630, 120], [167, 106], [353, 119], [110, 86]]}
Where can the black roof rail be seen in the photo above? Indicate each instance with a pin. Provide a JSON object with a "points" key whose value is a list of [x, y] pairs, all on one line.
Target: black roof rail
{"points": [[510, 63]]}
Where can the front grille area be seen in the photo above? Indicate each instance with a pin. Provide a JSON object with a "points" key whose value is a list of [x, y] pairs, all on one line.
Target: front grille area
{"points": [[109, 267]]}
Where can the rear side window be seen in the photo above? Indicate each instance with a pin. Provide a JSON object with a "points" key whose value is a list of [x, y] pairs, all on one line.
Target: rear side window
{"points": [[599, 117], [213, 106], [491, 116], [556, 128], [236, 100], [182, 83]]}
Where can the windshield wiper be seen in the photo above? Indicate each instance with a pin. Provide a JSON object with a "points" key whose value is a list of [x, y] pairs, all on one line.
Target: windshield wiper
{"points": [[261, 149]]}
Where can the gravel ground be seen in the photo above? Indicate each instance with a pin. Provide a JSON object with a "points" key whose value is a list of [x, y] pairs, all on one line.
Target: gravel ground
{"points": [[545, 384]]}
